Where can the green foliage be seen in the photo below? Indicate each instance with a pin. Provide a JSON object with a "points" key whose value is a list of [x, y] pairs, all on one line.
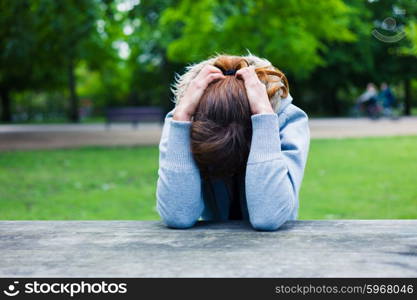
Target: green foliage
{"points": [[411, 33], [350, 66], [325, 47], [152, 71], [38, 38], [42, 41], [23, 61], [291, 35]]}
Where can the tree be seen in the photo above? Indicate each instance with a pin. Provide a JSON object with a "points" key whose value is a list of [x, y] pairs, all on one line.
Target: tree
{"points": [[23, 62], [152, 70], [291, 35], [397, 66], [170, 34], [71, 30], [369, 59], [41, 43], [326, 48]]}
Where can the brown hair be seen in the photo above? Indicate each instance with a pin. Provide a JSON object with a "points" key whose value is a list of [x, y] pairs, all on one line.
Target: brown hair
{"points": [[221, 131]]}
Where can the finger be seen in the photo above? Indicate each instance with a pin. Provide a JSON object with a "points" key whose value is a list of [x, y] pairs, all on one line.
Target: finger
{"points": [[246, 72], [208, 69], [213, 76], [249, 75]]}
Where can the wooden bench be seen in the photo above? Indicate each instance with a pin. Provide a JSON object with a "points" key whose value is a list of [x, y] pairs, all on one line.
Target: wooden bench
{"points": [[134, 115], [337, 248]]}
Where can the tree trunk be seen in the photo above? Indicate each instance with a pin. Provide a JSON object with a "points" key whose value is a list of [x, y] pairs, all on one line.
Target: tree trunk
{"points": [[6, 111], [331, 95], [74, 115], [407, 97]]}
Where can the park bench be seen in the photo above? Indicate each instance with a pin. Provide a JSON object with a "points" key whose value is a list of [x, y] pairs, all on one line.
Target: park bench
{"points": [[336, 248], [134, 115]]}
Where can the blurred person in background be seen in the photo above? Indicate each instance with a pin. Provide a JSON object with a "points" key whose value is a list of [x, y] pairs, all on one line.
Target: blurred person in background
{"points": [[387, 100], [368, 101]]}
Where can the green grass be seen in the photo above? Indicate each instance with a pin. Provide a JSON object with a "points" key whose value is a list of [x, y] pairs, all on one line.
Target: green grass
{"points": [[372, 178], [87, 183]]}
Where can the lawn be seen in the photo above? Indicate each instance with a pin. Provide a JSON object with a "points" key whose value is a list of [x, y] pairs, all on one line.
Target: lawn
{"points": [[372, 178]]}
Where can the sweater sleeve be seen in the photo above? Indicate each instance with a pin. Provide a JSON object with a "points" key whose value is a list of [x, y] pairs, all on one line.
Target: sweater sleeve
{"points": [[275, 168], [178, 192]]}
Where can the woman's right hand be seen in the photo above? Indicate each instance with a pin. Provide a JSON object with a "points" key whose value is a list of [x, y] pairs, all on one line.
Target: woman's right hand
{"points": [[188, 104]]}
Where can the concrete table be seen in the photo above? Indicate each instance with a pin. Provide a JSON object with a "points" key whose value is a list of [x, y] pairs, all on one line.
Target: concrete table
{"points": [[349, 248]]}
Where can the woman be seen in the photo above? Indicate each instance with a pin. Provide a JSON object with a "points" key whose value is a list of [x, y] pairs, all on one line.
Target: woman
{"points": [[234, 146]]}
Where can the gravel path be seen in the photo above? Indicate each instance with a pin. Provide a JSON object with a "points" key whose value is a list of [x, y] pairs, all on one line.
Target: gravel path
{"points": [[21, 137]]}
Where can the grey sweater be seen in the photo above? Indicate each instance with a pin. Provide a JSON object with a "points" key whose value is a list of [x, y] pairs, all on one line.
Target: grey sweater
{"points": [[274, 172]]}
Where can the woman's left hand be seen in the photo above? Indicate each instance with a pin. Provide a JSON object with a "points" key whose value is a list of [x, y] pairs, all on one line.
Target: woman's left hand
{"points": [[256, 91]]}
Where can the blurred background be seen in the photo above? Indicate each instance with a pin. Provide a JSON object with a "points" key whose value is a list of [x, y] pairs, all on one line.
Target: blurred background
{"points": [[85, 84]]}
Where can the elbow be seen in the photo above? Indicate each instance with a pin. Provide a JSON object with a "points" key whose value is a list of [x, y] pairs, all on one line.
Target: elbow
{"points": [[171, 214], [177, 222], [271, 220], [266, 224]]}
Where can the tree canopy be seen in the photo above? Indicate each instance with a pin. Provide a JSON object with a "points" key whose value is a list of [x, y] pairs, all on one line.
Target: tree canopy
{"points": [[127, 52]]}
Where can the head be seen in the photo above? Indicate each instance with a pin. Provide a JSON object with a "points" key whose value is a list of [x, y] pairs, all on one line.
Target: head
{"points": [[371, 86], [384, 86], [221, 130]]}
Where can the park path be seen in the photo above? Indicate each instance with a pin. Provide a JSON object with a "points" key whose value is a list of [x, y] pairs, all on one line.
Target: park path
{"points": [[25, 137]]}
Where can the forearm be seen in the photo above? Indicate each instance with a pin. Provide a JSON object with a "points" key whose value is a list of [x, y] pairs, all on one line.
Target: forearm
{"points": [[178, 197], [269, 193], [178, 193]]}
